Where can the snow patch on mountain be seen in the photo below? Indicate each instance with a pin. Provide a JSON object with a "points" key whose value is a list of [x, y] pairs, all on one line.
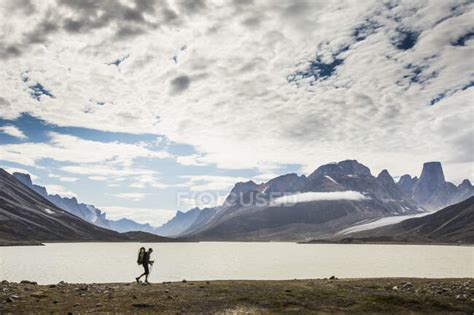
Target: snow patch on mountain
{"points": [[381, 222], [331, 179]]}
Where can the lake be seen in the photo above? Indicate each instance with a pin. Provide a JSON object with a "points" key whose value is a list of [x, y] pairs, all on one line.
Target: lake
{"points": [[116, 262]]}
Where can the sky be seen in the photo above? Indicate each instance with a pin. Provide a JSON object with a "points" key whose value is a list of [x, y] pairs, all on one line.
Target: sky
{"points": [[146, 107]]}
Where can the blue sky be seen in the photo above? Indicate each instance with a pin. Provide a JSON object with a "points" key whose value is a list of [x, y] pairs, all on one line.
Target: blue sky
{"points": [[128, 104]]}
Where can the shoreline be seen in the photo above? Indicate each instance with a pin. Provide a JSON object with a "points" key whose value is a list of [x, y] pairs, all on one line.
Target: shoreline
{"points": [[374, 295], [312, 242], [9, 243], [358, 242]]}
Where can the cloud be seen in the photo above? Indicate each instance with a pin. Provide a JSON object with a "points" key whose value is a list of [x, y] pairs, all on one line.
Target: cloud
{"points": [[319, 196], [13, 131], [68, 179], [59, 190], [134, 196], [210, 183], [67, 148], [192, 159], [363, 87], [63, 178]]}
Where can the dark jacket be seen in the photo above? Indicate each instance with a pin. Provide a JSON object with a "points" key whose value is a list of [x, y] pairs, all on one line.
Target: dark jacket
{"points": [[146, 258]]}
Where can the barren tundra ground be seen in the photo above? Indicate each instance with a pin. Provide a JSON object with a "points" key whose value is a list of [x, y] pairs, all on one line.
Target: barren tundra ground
{"points": [[384, 295]]}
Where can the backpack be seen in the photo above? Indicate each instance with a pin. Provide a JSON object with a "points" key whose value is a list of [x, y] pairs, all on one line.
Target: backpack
{"points": [[141, 256]]}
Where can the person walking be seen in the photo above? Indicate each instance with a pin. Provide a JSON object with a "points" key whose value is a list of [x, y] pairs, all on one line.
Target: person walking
{"points": [[144, 259]]}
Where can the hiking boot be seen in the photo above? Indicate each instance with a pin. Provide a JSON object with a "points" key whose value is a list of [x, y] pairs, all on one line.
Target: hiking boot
{"points": [[138, 280]]}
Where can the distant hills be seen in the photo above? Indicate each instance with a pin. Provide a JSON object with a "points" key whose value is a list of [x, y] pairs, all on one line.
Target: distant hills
{"points": [[242, 218], [186, 222], [453, 224], [85, 211]]}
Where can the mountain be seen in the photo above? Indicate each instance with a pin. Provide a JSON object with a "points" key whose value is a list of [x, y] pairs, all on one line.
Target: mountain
{"points": [[127, 225], [179, 223], [140, 236], [453, 224], [432, 191], [406, 184], [26, 215], [85, 211], [251, 211]]}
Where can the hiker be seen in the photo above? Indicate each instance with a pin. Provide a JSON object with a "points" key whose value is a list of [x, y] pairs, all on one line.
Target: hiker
{"points": [[144, 259]]}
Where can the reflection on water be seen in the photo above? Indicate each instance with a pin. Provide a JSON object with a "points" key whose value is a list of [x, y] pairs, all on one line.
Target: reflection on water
{"points": [[116, 262]]}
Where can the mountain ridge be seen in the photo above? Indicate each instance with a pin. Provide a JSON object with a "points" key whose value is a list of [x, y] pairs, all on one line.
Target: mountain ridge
{"points": [[431, 190], [453, 224], [388, 197], [87, 212], [28, 216]]}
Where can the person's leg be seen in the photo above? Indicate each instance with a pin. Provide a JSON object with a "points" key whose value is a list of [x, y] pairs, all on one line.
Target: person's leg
{"points": [[147, 272]]}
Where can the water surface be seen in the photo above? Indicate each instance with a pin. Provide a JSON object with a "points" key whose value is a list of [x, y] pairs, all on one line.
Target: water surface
{"points": [[116, 262]]}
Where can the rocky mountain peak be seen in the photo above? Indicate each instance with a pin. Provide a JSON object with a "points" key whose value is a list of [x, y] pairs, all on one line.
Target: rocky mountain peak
{"points": [[405, 179], [385, 177], [286, 183], [431, 190], [239, 189], [244, 186], [406, 184], [432, 174], [183, 213], [24, 178], [347, 167], [465, 185]]}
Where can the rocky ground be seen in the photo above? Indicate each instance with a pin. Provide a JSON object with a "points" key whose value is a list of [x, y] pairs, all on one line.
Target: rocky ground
{"points": [[391, 295]]}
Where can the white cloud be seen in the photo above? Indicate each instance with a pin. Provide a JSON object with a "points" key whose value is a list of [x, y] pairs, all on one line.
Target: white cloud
{"points": [[193, 159], [67, 148], [63, 178], [68, 179], [134, 196], [236, 106], [98, 160], [59, 190], [319, 196], [201, 183], [13, 131]]}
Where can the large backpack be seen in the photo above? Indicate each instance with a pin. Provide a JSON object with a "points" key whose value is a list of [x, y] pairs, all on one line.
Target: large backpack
{"points": [[141, 256]]}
